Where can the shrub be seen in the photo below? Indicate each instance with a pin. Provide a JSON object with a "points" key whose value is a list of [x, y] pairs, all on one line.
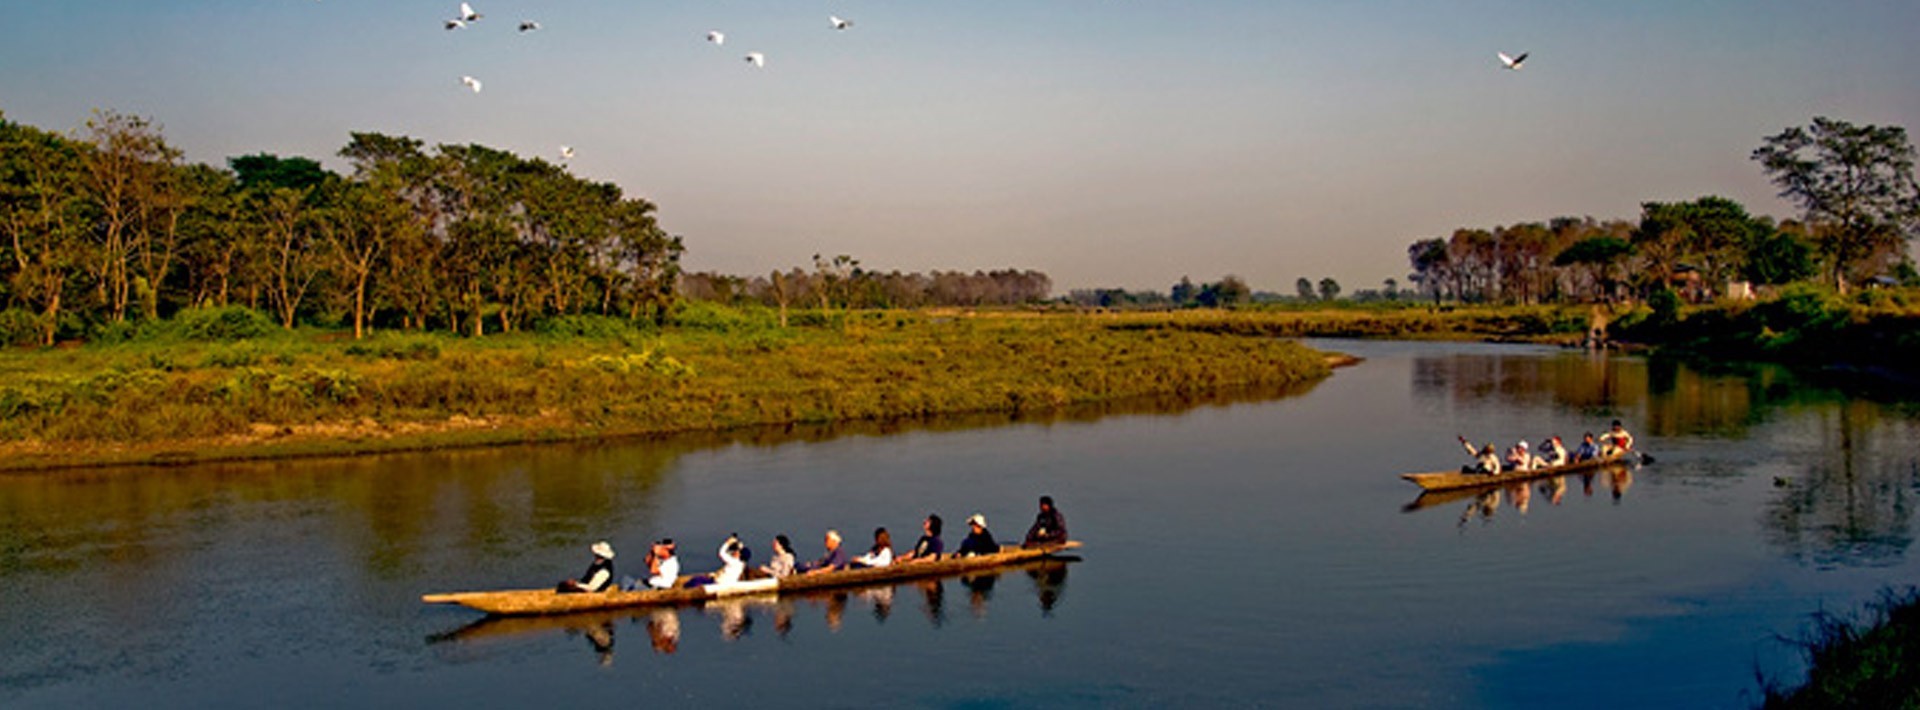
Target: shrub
{"points": [[705, 315], [19, 326], [596, 327], [224, 324]]}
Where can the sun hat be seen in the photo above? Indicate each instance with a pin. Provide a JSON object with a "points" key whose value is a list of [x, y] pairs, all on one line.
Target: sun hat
{"points": [[603, 549], [977, 519], [1523, 444]]}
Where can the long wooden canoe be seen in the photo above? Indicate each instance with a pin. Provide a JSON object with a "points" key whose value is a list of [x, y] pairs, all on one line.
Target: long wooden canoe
{"points": [[1450, 480], [493, 626], [517, 602]]}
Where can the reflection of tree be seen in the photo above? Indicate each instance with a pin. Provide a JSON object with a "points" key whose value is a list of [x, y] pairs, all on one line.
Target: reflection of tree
{"points": [[1853, 504]]}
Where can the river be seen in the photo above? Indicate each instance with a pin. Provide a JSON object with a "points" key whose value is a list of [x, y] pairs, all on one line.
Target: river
{"points": [[1254, 548]]}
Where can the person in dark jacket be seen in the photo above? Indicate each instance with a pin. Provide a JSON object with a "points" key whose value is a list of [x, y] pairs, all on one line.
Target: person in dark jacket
{"points": [[599, 574], [979, 541], [1049, 527]]}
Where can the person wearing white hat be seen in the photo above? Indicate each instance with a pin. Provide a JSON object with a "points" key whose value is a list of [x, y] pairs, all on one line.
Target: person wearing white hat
{"points": [[598, 576], [1519, 458], [979, 541]]}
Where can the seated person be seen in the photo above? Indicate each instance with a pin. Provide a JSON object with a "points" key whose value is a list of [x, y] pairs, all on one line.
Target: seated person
{"points": [[599, 575], [1616, 440], [880, 555], [1485, 459], [782, 563], [1588, 450], [663, 569], [929, 547], [979, 541], [733, 564], [1049, 526], [1552, 452], [832, 559]]}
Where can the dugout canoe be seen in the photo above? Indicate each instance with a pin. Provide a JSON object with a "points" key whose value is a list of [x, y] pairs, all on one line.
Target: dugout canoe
{"points": [[521, 602], [1453, 480]]}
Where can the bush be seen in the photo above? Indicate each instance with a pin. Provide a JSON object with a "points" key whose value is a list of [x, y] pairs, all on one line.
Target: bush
{"points": [[706, 315], [19, 326], [595, 327], [223, 324], [397, 347]]}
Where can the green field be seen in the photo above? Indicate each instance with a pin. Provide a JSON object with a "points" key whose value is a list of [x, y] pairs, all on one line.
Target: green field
{"points": [[213, 385]]}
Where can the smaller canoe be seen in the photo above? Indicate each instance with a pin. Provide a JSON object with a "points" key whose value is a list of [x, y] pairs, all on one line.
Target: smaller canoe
{"points": [[515, 602], [1451, 480]]}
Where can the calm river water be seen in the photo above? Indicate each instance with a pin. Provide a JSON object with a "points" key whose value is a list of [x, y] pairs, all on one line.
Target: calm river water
{"points": [[1253, 549]]}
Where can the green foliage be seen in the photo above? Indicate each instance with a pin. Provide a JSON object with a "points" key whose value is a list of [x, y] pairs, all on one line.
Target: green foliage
{"points": [[591, 326], [708, 316], [19, 327], [1666, 309], [397, 346], [1863, 663], [223, 324]]}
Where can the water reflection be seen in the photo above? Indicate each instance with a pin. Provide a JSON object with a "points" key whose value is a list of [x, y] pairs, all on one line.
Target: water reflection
{"points": [[1484, 504], [1849, 499], [734, 619], [1841, 454]]}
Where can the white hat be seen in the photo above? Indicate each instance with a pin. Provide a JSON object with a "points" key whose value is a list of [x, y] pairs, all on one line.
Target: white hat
{"points": [[1523, 444], [977, 519], [603, 549]]}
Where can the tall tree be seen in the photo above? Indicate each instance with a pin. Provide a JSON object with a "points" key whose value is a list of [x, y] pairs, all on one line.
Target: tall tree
{"points": [[122, 177], [1856, 185], [1329, 289], [42, 217]]}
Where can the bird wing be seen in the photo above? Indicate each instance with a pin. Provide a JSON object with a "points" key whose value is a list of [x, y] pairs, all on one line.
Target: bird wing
{"points": [[1519, 59], [1504, 59]]}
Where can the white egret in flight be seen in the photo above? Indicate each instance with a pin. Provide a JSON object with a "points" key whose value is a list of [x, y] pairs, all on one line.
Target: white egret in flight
{"points": [[471, 83], [757, 59], [1512, 62]]}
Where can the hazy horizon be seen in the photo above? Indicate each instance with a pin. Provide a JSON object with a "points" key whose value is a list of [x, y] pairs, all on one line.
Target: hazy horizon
{"points": [[1108, 146]]}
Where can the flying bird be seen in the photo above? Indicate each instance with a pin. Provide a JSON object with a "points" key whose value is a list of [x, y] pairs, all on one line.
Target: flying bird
{"points": [[455, 24], [471, 83], [1512, 62], [467, 13], [757, 59], [529, 26], [717, 37], [566, 151], [839, 24]]}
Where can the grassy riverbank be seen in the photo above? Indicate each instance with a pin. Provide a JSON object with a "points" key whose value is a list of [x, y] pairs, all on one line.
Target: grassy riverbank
{"points": [[214, 386], [1868, 663], [1875, 330]]}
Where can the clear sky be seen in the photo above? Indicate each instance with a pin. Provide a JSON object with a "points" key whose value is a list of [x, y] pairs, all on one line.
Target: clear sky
{"points": [[1117, 143]]}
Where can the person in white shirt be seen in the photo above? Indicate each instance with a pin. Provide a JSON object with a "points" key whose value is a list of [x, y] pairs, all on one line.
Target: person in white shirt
{"points": [[662, 566], [881, 554], [733, 565]]}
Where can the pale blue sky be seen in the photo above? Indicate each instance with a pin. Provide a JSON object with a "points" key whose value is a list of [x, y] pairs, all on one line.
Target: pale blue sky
{"points": [[1120, 143]]}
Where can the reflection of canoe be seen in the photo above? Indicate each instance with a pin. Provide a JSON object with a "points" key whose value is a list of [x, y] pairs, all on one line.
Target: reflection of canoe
{"points": [[499, 626], [546, 601], [1450, 480]]}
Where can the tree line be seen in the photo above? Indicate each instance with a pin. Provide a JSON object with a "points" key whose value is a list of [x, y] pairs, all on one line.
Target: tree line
{"points": [[842, 282], [110, 227], [1855, 185]]}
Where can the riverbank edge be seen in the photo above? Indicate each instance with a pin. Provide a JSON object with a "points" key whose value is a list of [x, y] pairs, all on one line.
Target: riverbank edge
{"points": [[368, 436], [1867, 662]]}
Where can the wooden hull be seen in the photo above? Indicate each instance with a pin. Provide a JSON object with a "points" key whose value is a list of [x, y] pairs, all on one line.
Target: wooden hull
{"points": [[519, 602], [1453, 480]]}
